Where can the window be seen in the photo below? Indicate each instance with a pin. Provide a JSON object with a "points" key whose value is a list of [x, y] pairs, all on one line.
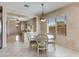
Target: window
{"points": [[61, 25], [57, 24], [52, 26], [51, 22]]}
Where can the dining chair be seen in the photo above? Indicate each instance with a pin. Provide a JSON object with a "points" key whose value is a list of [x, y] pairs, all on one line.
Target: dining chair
{"points": [[42, 42], [32, 41]]}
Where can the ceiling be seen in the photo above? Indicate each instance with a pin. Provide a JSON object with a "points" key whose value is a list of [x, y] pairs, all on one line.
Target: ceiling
{"points": [[34, 7]]}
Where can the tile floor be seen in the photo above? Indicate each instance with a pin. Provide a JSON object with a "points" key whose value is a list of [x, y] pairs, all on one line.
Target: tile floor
{"points": [[19, 49]]}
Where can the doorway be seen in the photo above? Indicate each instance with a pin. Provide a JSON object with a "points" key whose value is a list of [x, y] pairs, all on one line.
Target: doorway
{"points": [[14, 33], [11, 31]]}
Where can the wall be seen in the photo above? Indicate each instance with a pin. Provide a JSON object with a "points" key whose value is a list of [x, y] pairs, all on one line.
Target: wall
{"points": [[11, 27], [72, 16], [38, 25], [11, 30], [43, 27], [4, 26]]}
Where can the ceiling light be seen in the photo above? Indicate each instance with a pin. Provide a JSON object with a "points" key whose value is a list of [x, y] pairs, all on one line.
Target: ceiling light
{"points": [[42, 19]]}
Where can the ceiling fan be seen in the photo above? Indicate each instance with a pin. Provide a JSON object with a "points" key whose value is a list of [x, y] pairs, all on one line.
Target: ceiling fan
{"points": [[42, 19]]}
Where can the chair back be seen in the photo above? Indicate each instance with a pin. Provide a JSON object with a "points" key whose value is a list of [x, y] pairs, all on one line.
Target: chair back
{"points": [[31, 35], [42, 39]]}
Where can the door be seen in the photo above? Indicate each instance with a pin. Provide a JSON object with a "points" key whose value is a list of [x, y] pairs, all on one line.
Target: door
{"points": [[0, 27]]}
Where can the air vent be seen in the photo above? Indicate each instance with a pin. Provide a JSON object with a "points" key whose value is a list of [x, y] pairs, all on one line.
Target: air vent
{"points": [[26, 5]]}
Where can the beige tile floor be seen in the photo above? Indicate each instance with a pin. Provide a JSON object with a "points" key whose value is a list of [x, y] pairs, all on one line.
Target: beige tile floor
{"points": [[19, 49]]}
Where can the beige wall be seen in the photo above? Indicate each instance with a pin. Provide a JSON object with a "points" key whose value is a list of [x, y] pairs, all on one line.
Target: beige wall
{"points": [[43, 27], [38, 25], [72, 15], [11, 27], [4, 26], [11, 30]]}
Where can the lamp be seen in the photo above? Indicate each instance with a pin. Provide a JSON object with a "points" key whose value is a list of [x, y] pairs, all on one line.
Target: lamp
{"points": [[42, 19]]}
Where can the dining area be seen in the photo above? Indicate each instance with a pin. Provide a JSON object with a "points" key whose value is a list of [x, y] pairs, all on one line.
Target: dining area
{"points": [[42, 43]]}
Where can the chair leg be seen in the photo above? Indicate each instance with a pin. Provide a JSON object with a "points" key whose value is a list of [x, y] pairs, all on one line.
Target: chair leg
{"points": [[46, 51], [37, 51], [54, 48]]}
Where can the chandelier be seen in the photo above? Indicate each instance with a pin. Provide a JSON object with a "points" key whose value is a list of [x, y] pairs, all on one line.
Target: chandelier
{"points": [[42, 19]]}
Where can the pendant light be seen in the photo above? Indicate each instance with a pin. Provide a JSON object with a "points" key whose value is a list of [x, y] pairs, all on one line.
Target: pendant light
{"points": [[42, 19]]}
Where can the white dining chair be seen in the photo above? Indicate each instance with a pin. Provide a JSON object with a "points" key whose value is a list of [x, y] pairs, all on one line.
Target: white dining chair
{"points": [[32, 41], [42, 42]]}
